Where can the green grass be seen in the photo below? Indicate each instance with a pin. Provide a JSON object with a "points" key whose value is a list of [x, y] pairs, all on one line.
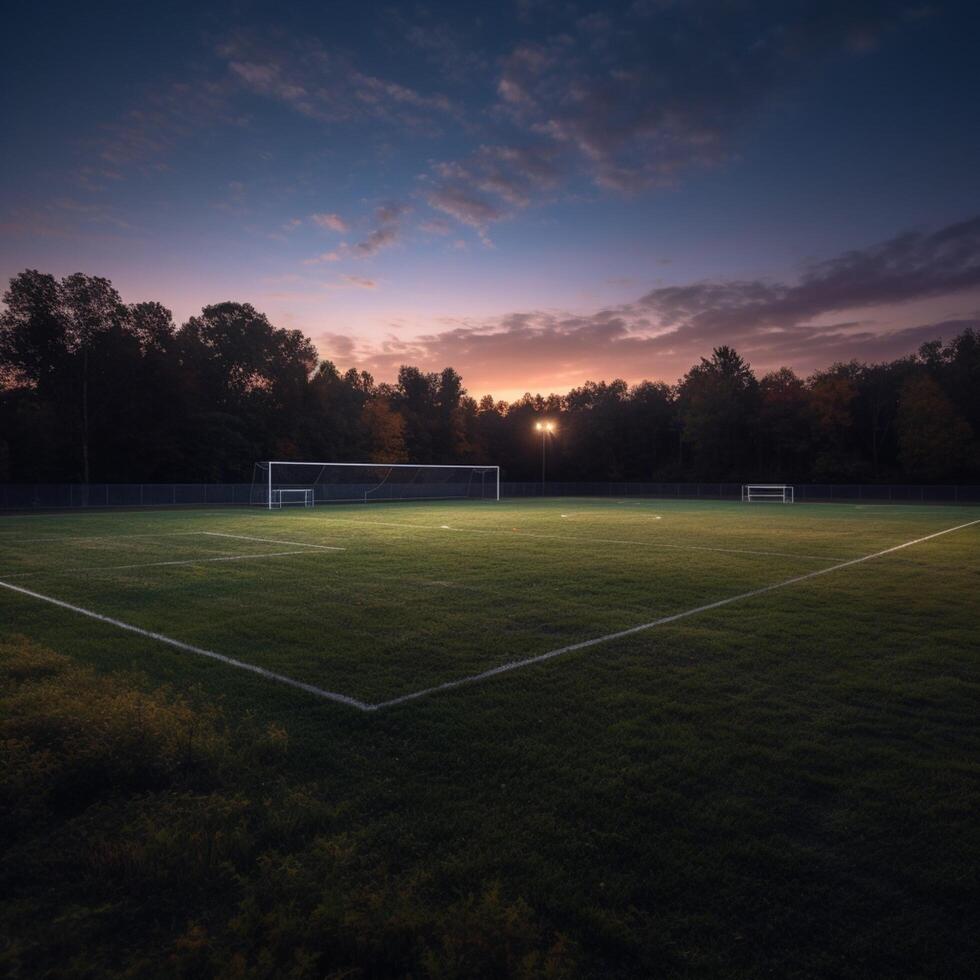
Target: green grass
{"points": [[782, 786]]}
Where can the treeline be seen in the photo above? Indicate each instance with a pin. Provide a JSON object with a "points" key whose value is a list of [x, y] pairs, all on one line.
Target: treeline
{"points": [[96, 390]]}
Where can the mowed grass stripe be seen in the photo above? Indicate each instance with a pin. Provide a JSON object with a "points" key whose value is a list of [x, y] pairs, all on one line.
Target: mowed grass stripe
{"points": [[487, 674], [643, 627], [91, 569], [503, 533]]}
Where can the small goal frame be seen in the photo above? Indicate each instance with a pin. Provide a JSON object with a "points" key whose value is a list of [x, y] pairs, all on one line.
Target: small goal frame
{"points": [[768, 493], [285, 497]]}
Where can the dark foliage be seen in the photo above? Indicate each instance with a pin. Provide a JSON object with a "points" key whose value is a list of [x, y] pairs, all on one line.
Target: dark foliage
{"points": [[93, 389]]}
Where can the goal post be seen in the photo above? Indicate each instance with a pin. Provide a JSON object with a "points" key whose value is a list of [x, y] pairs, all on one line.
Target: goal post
{"points": [[278, 483], [767, 493]]}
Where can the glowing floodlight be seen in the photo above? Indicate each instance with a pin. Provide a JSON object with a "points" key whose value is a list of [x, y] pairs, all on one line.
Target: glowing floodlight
{"points": [[546, 429]]}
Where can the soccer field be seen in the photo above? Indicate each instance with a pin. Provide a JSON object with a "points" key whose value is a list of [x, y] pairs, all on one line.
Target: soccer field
{"points": [[377, 605], [621, 737]]}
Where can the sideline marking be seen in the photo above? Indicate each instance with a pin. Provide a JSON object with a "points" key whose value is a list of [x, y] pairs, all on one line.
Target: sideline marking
{"points": [[483, 675], [295, 544], [200, 651], [152, 564]]}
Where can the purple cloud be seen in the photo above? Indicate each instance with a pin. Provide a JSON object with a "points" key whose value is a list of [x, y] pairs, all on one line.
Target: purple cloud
{"points": [[663, 332]]}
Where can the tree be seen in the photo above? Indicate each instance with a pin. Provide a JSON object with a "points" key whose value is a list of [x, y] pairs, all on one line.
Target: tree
{"points": [[59, 330], [238, 364], [832, 395], [717, 400], [783, 422], [94, 389], [242, 358], [385, 432], [933, 438]]}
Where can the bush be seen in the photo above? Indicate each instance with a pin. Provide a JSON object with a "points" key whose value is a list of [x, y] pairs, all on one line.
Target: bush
{"points": [[147, 834]]}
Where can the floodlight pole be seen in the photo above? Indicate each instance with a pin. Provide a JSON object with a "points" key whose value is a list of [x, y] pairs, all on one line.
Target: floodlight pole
{"points": [[544, 428], [544, 444]]}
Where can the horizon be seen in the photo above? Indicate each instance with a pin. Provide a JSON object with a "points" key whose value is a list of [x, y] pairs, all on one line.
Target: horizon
{"points": [[565, 194]]}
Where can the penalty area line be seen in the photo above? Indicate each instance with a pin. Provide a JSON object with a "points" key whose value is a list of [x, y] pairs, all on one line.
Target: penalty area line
{"points": [[295, 544], [190, 648], [621, 634]]}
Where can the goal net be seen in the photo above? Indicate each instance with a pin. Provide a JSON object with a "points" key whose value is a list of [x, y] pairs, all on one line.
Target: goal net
{"points": [[279, 484], [767, 493]]}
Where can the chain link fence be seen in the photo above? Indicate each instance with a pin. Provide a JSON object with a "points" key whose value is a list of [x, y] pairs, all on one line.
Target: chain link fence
{"points": [[72, 496]]}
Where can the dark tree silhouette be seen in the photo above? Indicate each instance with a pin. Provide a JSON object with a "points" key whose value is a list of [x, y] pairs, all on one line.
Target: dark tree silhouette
{"points": [[92, 389]]}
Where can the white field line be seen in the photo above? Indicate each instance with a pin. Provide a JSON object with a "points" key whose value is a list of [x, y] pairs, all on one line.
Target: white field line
{"points": [[484, 675], [295, 544], [591, 513], [200, 651], [151, 564], [585, 644], [581, 540]]}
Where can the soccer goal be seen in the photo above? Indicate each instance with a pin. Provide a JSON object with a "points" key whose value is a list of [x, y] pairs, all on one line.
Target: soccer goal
{"points": [[291, 497], [763, 493], [277, 483]]}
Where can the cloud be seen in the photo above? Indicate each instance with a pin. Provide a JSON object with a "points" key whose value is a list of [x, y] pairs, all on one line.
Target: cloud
{"points": [[302, 74], [493, 182], [379, 239], [454, 50], [163, 118], [465, 207], [436, 226], [388, 231], [633, 96], [914, 265], [807, 323], [644, 92], [391, 211], [359, 282], [513, 173], [388, 216], [332, 222], [334, 345], [334, 256], [324, 83]]}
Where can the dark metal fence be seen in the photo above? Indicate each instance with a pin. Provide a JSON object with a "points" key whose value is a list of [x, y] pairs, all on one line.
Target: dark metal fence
{"points": [[804, 492], [68, 496], [65, 496]]}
